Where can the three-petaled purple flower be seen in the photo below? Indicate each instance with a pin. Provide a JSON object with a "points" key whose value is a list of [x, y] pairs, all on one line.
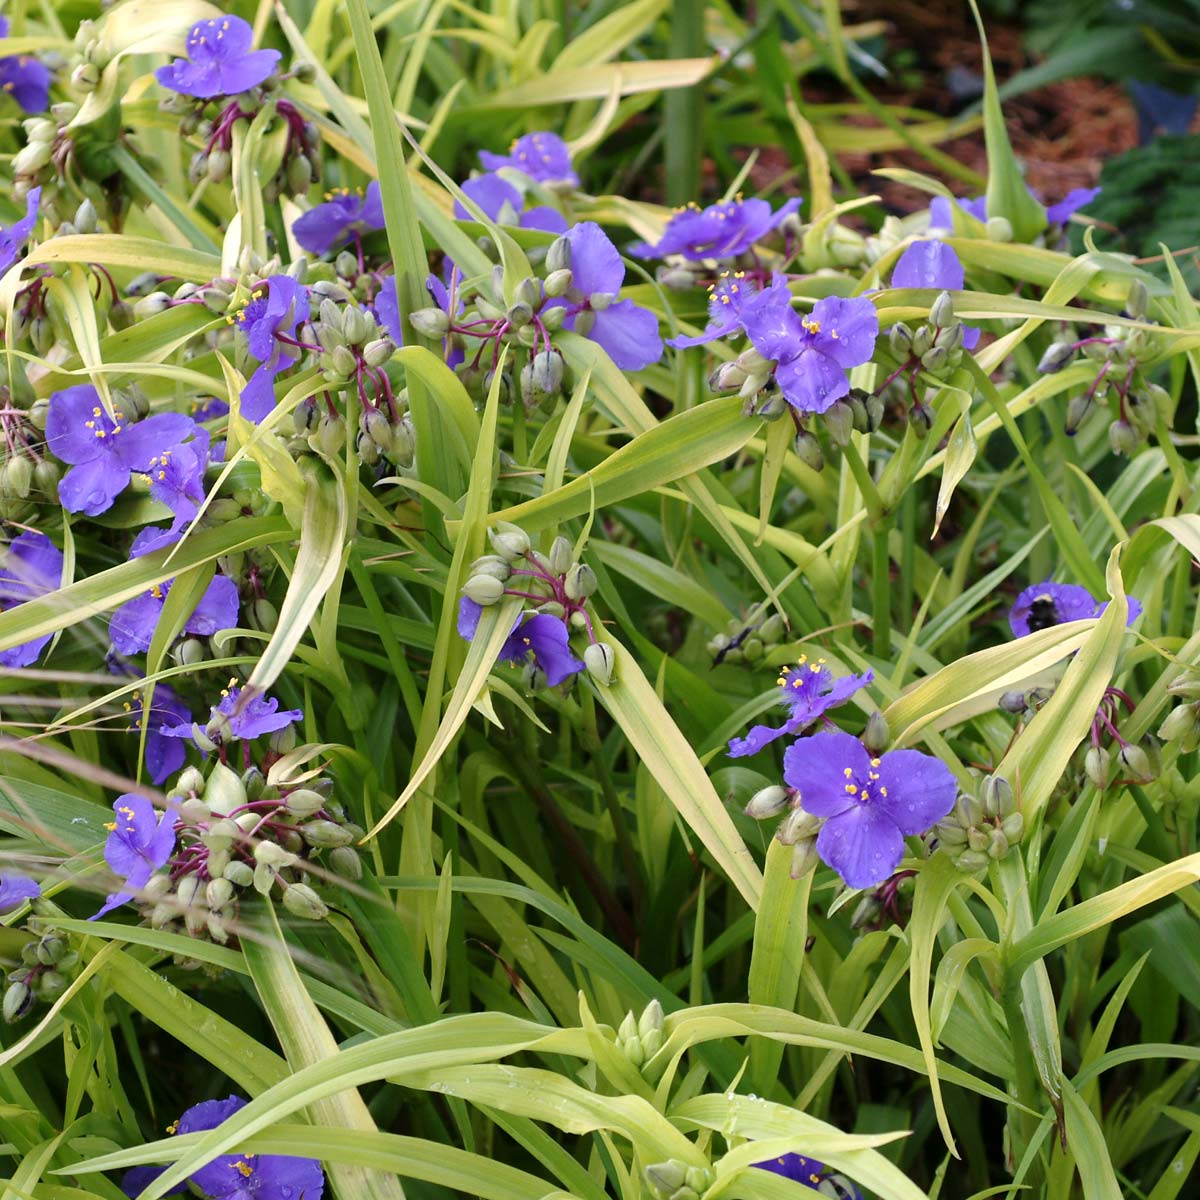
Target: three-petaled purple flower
{"points": [[501, 202], [1042, 605], [104, 453], [219, 62], [132, 626], [17, 234], [30, 566], [539, 634], [229, 719], [726, 298], [933, 264], [164, 755], [718, 231], [269, 321], [809, 690], [15, 889], [24, 78], [176, 478], [543, 156], [941, 215], [627, 332], [343, 214], [812, 353], [139, 841], [808, 1171], [870, 804], [236, 1176]]}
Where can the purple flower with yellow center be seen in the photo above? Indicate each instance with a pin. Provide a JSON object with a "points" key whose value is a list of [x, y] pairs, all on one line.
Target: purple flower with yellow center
{"points": [[538, 634], [139, 841], [543, 156], [236, 1176], [164, 756], [16, 889], [17, 234], [812, 353], [278, 304], [719, 231], [501, 202], [343, 215], [870, 804], [132, 626], [941, 215], [808, 1171], [1042, 605], [30, 566], [726, 299], [810, 691], [176, 478], [104, 452], [24, 78], [219, 62], [933, 264], [627, 332], [232, 719]]}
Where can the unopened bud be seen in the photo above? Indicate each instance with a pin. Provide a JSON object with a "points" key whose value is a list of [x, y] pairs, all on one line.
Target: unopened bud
{"points": [[1013, 826], [580, 582], [377, 352], [1137, 302], [218, 893], [922, 340], [839, 421], [301, 901], [1135, 763], [972, 860], [561, 555], [558, 256], [900, 340], [768, 802], [920, 419], [1057, 355], [804, 857], [484, 589], [796, 825], [493, 565], [600, 662], [224, 790], [666, 1177], [1077, 411], [997, 796], [998, 229], [325, 835], [1096, 765], [345, 862], [18, 1000], [808, 450], [997, 845], [876, 735], [558, 283], [240, 874], [1123, 438], [1012, 702], [942, 312], [509, 541]]}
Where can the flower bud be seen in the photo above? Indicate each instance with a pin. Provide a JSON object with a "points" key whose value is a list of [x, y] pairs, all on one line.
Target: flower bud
{"points": [[726, 377], [299, 174], [804, 858], [968, 811], [378, 351], [1096, 765], [264, 878], [1123, 438], [32, 158], [1135, 763], [1182, 725], [1057, 355], [16, 477], [796, 825], [768, 802], [558, 283], [585, 322], [345, 862], [998, 229], [600, 662], [580, 582], [152, 305], [239, 873], [978, 839], [547, 369], [997, 846], [941, 314], [50, 985], [50, 949], [1012, 702], [304, 802], [509, 541], [301, 901], [484, 589], [1137, 302], [950, 834], [997, 797], [560, 556], [900, 340], [325, 835], [922, 340], [18, 1000], [1077, 411], [1013, 826], [934, 359], [877, 735], [972, 860], [772, 629], [666, 1177], [771, 407], [839, 422], [808, 450], [218, 893]]}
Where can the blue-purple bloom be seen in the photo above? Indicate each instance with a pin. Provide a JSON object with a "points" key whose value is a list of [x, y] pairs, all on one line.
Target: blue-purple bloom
{"points": [[941, 214], [277, 306], [164, 756], [104, 452], [726, 299], [718, 231], [812, 353], [15, 889], [24, 78], [17, 234], [344, 214], [30, 566], [139, 841], [259, 715], [539, 634], [176, 479], [236, 1176], [501, 202], [627, 332], [809, 691], [542, 156], [220, 61], [933, 264], [1042, 605], [870, 804], [132, 626], [808, 1171]]}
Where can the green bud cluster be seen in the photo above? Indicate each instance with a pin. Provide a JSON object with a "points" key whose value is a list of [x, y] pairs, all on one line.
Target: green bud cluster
{"points": [[1182, 724], [641, 1038], [675, 1180], [45, 971], [983, 826], [746, 640]]}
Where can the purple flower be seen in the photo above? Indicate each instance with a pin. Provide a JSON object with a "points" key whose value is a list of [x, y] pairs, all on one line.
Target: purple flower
{"points": [[164, 756], [719, 231], [1071, 203], [104, 452], [544, 157], [812, 353], [539, 634], [344, 214], [139, 841], [30, 566], [24, 78], [726, 298], [176, 479], [1042, 605], [625, 331], [933, 264], [941, 215], [15, 889], [132, 626], [229, 719], [870, 804], [493, 194], [277, 306], [809, 691], [17, 234], [237, 1176], [807, 1171], [220, 61]]}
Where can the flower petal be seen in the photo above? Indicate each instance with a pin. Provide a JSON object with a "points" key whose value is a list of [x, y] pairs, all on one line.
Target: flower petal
{"points": [[915, 790], [862, 845], [816, 766], [629, 335]]}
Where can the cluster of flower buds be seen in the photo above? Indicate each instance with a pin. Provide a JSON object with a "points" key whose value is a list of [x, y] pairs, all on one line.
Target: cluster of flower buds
{"points": [[47, 964], [675, 1180], [1130, 763], [934, 348], [28, 477], [982, 827], [1135, 403], [798, 828], [238, 832], [748, 638], [1183, 722], [641, 1038]]}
